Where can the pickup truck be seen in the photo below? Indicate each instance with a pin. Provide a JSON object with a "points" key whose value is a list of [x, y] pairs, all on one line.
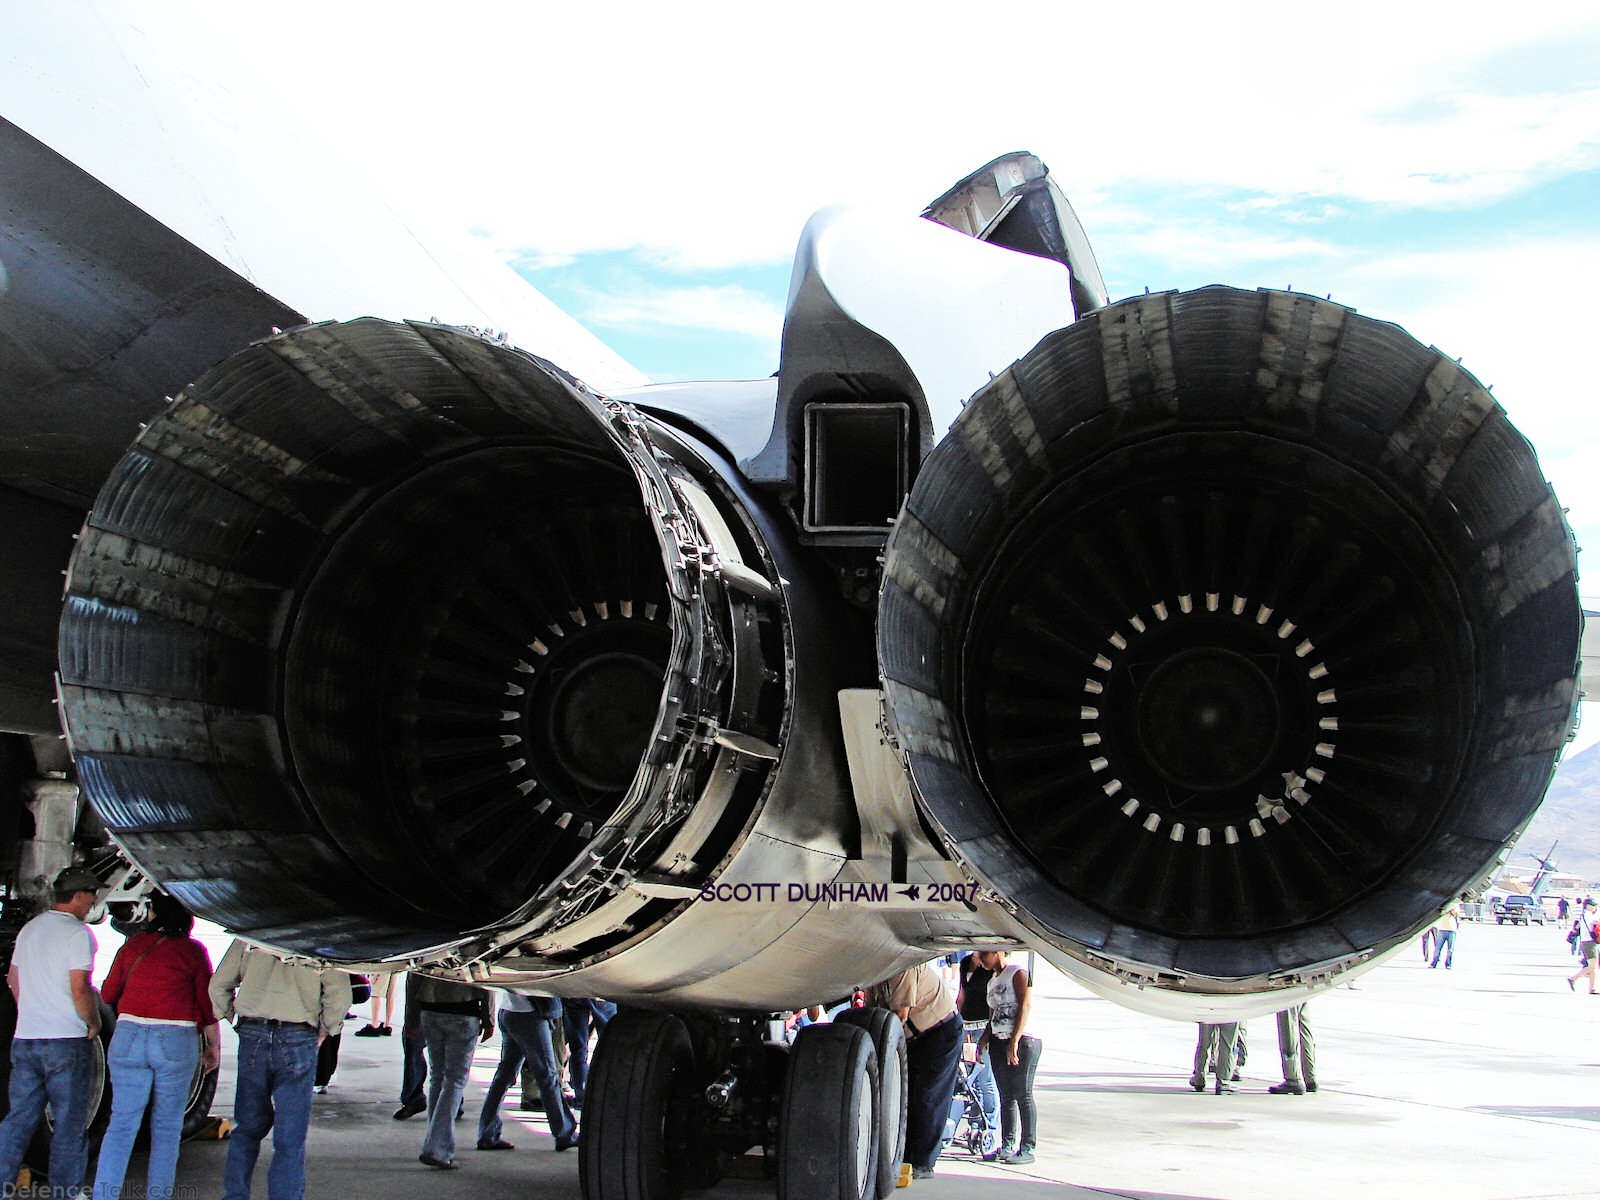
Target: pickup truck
{"points": [[1518, 910]]}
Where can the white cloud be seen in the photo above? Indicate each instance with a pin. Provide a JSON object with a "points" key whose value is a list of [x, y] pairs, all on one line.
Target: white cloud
{"points": [[722, 309], [1187, 247], [706, 135]]}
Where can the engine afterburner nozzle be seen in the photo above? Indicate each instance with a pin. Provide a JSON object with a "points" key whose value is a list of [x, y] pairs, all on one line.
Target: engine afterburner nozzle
{"points": [[384, 632], [1230, 634]]}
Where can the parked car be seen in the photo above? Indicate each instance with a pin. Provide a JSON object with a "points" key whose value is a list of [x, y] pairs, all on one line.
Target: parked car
{"points": [[1519, 910]]}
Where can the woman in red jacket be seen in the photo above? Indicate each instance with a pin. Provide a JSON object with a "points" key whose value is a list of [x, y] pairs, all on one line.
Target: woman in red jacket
{"points": [[158, 985]]}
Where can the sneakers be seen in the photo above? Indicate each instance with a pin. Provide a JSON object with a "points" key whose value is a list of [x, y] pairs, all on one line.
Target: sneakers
{"points": [[1226, 1089], [1198, 1085], [320, 1089], [1018, 1158], [369, 1031], [922, 1172], [386, 1030], [406, 1111], [497, 1144], [1287, 1089]]}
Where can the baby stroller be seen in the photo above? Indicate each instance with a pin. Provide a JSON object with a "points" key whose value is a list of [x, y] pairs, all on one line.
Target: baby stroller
{"points": [[967, 1128]]}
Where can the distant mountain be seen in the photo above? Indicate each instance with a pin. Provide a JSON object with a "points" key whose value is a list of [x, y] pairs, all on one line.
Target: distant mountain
{"points": [[1570, 813]]}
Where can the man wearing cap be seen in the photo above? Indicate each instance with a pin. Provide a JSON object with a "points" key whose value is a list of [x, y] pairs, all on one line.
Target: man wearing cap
{"points": [[58, 1020], [282, 1012], [926, 1004]]}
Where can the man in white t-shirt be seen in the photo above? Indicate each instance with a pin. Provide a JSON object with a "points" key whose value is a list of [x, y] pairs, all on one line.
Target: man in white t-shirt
{"points": [[58, 1020]]}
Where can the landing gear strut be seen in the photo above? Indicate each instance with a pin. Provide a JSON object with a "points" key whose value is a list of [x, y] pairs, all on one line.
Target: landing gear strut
{"points": [[674, 1102]]}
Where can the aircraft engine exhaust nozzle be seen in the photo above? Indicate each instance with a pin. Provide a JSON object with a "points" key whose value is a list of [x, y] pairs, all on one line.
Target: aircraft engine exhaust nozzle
{"points": [[1230, 634], [384, 632]]}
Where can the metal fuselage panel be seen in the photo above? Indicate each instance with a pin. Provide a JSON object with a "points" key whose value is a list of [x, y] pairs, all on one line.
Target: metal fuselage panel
{"points": [[103, 312]]}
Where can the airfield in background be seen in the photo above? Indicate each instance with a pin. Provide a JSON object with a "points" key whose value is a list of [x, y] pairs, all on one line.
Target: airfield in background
{"points": [[1476, 1083]]}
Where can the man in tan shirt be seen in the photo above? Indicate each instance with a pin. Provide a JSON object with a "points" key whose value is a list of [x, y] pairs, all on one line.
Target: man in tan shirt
{"points": [[926, 1003], [282, 1012]]}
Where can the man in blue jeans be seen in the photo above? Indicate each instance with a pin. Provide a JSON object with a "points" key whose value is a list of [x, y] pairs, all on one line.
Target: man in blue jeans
{"points": [[58, 1020], [1445, 936], [281, 1012], [452, 1018]]}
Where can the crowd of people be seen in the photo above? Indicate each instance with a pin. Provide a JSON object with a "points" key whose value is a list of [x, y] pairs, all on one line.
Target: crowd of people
{"points": [[288, 1015], [970, 1056]]}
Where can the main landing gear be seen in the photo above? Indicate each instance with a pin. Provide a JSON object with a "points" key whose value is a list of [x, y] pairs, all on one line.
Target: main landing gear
{"points": [[674, 1101]]}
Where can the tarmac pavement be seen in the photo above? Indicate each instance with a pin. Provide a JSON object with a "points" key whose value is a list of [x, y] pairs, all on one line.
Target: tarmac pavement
{"points": [[1476, 1083]]}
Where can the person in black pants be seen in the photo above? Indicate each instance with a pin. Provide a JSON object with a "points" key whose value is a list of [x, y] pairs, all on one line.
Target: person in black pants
{"points": [[926, 1005], [328, 1052], [1013, 1054], [413, 1074]]}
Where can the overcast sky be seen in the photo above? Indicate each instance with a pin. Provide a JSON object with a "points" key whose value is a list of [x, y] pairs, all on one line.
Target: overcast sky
{"points": [[649, 166]]}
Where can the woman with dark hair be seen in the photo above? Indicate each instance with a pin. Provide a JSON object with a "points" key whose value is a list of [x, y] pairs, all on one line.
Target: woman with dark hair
{"points": [[158, 983], [1013, 1054]]}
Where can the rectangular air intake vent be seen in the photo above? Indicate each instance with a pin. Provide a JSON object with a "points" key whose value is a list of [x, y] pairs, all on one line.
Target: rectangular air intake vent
{"points": [[856, 468]]}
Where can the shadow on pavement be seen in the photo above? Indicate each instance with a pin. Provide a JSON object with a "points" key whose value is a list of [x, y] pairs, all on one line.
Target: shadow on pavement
{"points": [[1545, 1111]]}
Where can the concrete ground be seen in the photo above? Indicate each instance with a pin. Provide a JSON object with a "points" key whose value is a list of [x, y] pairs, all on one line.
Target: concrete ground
{"points": [[1478, 1083]]}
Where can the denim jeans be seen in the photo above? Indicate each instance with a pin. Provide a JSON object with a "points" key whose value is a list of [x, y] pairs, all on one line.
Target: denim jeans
{"points": [[413, 1069], [526, 1036], [450, 1038], [276, 1066], [150, 1065], [1445, 944], [579, 1017], [54, 1070]]}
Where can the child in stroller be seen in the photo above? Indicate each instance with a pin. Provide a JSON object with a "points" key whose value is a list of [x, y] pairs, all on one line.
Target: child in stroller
{"points": [[969, 1126]]}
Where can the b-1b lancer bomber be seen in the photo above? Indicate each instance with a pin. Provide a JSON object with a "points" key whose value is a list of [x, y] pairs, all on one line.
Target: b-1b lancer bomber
{"points": [[1208, 643]]}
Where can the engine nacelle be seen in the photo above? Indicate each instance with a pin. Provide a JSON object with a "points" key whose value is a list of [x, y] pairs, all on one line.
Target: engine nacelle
{"points": [[1230, 635]]}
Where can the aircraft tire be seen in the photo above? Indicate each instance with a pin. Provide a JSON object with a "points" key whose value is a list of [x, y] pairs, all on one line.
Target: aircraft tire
{"points": [[197, 1115], [828, 1128], [889, 1040], [634, 1144]]}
